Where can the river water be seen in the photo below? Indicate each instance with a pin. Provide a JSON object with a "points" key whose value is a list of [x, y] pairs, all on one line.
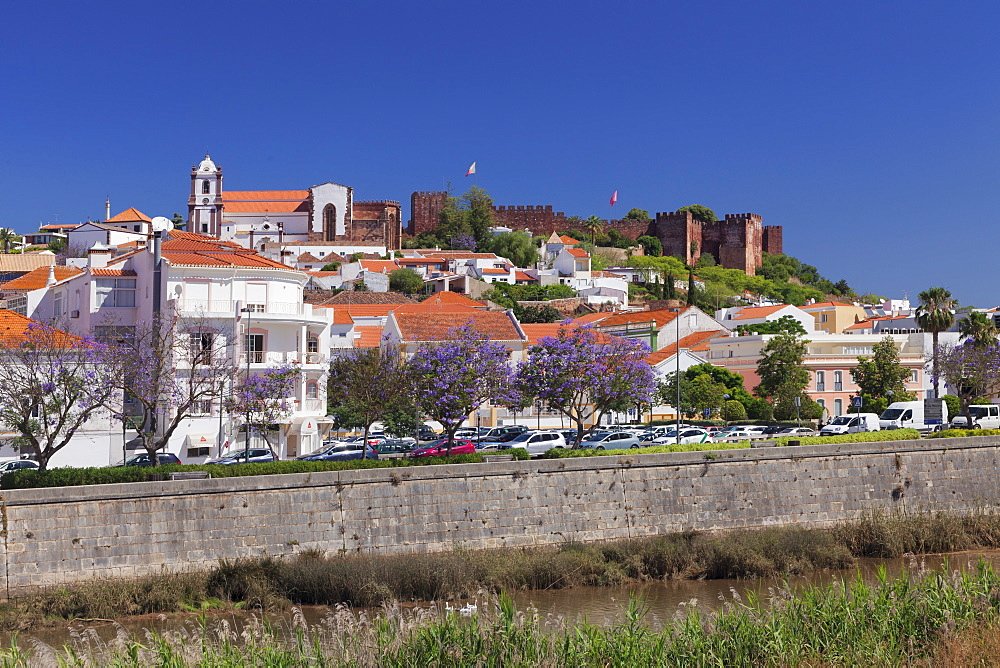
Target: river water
{"points": [[596, 605]]}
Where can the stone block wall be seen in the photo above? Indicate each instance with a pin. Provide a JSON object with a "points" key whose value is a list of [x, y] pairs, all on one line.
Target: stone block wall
{"points": [[55, 536]]}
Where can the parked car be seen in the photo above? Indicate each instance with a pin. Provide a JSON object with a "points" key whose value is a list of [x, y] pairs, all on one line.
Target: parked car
{"points": [[18, 465], [689, 435], [772, 429], [398, 446], [537, 442], [257, 456], [340, 452], [608, 440], [797, 431], [500, 434], [144, 460], [459, 446], [734, 434]]}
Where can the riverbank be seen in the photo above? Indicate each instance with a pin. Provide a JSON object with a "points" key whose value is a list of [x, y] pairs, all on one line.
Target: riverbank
{"points": [[936, 618], [361, 580]]}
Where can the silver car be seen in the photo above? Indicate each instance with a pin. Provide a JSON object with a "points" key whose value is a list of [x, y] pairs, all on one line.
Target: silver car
{"points": [[611, 440]]}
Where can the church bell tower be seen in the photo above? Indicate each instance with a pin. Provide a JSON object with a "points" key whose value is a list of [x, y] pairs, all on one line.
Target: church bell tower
{"points": [[205, 202]]}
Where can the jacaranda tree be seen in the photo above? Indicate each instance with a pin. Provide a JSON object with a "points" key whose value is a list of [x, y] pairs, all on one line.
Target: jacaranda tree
{"points": [[262, 398], [458, 376], [971, 369], [585, 375], [51, 384]]}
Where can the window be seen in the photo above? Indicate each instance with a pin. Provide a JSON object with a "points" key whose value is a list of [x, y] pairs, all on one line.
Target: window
{"points": [[330, 223], [200, 346], [57, 305], [821, 403], [204, 228], [115, 292], [838, 407], [135, 228], [255, 347], [821, 381], [838, 381], [206, 188], [198, 452], [312, 390], [312, 344], [201, 407], [913, 376], [823, 317]]}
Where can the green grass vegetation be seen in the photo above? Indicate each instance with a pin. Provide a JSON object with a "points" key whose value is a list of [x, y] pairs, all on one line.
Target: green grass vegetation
{"points": [[71, 477], [369, 580], [924, 618], [865, 437], [959, 433]]}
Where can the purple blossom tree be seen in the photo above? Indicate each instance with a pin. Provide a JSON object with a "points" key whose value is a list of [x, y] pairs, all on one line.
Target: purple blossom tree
{"points": [[584, 375], [261, 398], [51, 385], [971, 369], [456, 377], [170, 368], [363, 387]]}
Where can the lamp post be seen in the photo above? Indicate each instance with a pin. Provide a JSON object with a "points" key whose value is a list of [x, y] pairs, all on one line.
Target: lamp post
{"points": [[725, 398], [677, 376]]}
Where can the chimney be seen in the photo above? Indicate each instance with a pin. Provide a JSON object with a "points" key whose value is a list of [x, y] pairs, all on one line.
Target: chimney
{"points": [[98, 256], [51, 280]]}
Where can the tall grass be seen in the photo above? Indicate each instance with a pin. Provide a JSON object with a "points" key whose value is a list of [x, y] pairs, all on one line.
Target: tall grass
{"points": [[912, 620]]}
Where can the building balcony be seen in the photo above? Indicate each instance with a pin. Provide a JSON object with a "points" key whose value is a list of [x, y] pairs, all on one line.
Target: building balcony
{"points": [[270, 358], [259, 312]]}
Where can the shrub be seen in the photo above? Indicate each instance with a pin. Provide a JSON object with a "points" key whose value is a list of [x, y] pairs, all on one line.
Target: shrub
{"points": [[734, 410], [865, 437], [958, 433]]}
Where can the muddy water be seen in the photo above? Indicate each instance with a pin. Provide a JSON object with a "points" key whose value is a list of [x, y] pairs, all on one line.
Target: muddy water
{"points": [[596, 605]]}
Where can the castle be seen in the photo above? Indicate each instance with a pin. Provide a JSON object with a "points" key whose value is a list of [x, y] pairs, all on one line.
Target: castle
{"points": [[736, 242]]}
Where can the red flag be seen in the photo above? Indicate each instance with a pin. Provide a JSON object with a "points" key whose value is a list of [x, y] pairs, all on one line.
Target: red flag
{"points": [[472, 169], [614, 197]]}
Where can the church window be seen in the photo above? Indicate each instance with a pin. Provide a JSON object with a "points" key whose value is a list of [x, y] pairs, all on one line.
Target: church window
{"points": [[330, 223], [206, 187]]}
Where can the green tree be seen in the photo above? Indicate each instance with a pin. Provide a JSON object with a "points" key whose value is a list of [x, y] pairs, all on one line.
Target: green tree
{"points": [[57, 245], [7, 237], [515, 246], [332, 266], [666, 393], [536, 314], [406, 281], [699, 212], [706, 395], [935, 315], [880, 374], [782, 376], [691, 289], [594, 226], [479, 213], [733, 410], [785, 323], [705, 260], [637, 214], [978, 329], [669, 290], [178, 221], [650, 245]]}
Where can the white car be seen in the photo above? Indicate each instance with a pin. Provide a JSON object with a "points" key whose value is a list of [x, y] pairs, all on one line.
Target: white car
{"points": [[537, 442], [796, 431], [688, 435], [735, 434]]}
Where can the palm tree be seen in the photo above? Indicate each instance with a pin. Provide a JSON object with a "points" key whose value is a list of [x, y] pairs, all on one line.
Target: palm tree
{"points": [[935, 314], [594, 225], [8, 237], [978, 329]]}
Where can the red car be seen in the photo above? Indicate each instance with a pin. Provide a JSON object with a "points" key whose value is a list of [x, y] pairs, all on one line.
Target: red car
{"points": [[459, 446]]}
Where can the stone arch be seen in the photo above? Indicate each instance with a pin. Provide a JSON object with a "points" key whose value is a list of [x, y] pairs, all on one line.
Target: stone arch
{"points": [[329, 223], [206, 187]]}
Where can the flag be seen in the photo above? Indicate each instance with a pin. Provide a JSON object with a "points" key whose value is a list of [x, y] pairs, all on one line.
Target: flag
{"points": [[472, 169], [614, 196]]}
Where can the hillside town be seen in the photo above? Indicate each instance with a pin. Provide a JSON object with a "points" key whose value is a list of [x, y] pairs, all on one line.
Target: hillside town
{"points": [[295, 280]]}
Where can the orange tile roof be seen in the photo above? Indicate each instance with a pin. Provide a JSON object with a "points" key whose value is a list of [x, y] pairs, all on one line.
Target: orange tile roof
{"points": [[420, 260], [660, 316], [495, 271], [191, 241], [379, 310], [371, 336], [129, 215], [38, 278], [449, 297], [266, 207], [440, 326], [112, 272], [14, 328], [592, 317], [58, 226], [865, 324], [263, 195], [569, 241], [523, 276], [220, 259], [342, 318], [750, 312], [307, 257], [379, 266], [537, 331], [689, 342], [323, 274], [577, 252], [25, 262], [823, 305]]}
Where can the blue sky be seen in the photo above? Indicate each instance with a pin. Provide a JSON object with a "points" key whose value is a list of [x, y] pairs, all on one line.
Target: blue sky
{"points": [[867, 129]]}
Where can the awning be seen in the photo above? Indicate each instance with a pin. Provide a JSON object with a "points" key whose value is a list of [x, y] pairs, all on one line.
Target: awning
{"points": [[201, 440]]}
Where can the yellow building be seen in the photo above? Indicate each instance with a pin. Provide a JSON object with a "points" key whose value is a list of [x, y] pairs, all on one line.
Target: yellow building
{"points": [[834, 317]]}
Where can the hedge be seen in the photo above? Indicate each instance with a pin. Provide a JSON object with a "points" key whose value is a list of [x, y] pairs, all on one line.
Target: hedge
{"points": [[958, 433], [562, 453], [72, 477], [863, 437]]}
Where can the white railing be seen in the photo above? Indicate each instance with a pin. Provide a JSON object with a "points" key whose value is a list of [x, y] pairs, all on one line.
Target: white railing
{"points": [[312, 404], [216, 306]]}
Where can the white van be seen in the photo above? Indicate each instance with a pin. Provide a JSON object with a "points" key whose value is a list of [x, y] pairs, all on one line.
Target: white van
{"points": [[851, 424], [909, 415], [984, 416]]}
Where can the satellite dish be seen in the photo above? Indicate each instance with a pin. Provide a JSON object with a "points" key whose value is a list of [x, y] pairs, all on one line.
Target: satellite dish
{"points": [[161, 224]]}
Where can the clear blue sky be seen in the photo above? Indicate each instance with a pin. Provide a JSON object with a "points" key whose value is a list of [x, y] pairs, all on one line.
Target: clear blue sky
{"points": [[867, 129]]}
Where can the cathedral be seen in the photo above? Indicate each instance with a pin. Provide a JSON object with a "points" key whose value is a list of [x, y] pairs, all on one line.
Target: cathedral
{"points": [[326, 214]]}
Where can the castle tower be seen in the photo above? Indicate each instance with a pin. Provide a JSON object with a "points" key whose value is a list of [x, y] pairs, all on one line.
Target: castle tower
{"points": [[205, 202]]}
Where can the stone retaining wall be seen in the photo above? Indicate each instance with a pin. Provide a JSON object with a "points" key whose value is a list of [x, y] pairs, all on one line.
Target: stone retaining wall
{"points": [[57, 535]]}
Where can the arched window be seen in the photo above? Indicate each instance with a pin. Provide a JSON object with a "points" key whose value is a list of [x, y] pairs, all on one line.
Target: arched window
{"points": [[838, 381], [312, 390], [206, 187], [330, 222]]}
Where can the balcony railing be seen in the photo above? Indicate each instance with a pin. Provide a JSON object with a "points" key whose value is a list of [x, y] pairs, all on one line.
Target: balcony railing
{"points": [[205, 306], [272, 357]]}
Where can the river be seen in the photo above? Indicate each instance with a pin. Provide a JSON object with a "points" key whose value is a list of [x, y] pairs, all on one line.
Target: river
{"points": [[596, 605]]}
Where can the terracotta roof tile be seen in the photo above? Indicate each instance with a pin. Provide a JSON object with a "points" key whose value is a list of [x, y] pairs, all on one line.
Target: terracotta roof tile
{"points": [[866, 324], [440, 326], [660, 316], [129, 215], [689, 342], [379, 266], [14, 327], [307, 257], [112, 272], [263, 195], [25, 262], [751, 312], [380, 310], [38, 278], [569, 241], [341, 317], [371, 336], [808, 307], [577, 252], [266, 207], [55, 227], [523, 276], [448, 297], [495, 271], [221, 259], [323, 274]]}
